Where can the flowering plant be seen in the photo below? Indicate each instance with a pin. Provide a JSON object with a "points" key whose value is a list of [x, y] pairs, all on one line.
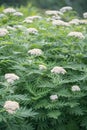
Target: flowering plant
{"points": [[43, 70]]}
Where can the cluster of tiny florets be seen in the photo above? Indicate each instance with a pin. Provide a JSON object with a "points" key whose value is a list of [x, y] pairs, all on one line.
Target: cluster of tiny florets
{"points": [[11, 77], [32, 31], [9, 10], [53, 97], [58, 70], [75, 88], [11, 106], [65, 9], [30, 19], [60, 23], [3, 32], [18, 14], [85, 15], [35, 51], [76, 34], [53, 12]]}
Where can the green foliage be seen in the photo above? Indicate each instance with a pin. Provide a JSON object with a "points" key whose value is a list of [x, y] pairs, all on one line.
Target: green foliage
{"points": [[37, 110]]}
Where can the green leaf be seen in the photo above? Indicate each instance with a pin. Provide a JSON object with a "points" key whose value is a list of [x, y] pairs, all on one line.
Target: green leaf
{"points": [[54, 114], [23, 112]]}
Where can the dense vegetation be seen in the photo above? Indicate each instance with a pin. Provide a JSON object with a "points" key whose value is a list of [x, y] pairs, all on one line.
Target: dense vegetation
{"points": [[79, 5], [43, 70]]}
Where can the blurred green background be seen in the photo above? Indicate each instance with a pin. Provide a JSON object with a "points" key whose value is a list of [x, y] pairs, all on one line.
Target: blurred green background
{"points": [[79, 5]]}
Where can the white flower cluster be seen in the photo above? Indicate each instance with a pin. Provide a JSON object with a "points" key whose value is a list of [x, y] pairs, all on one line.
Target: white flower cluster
{"points": [[3, 32], [11, 106], [31, 18], [53, 97], [77, 22], [9, 10], [83, 21], [27, 21], [2, 15], [53, 12], [85, 15], [17, 14], [32, 31], [20, 27], [58, 70], [75, 88], [65, 9], [60, 23], [35, 51], [42, 67], [11, 28], [11, 77], [34, 17], [56, 17], [74, 22], [12, 11], [76, 34]]}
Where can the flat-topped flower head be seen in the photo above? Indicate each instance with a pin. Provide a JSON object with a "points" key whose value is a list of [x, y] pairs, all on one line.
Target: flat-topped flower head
{"points": [[53, 12], [18, 14], [35, 51], [9, 10], [53, 97], [33, 17], [3, 32], [11, 77], [27, 21], [83, 21], [56, 17], [11, 106], [75, 88], [58, 70], [60, 23], [20, 27], [77, 35], [32, 31], [85, 15], [11, 28], [78, 21], [42, 67], [74, 22], [65, 9]]}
